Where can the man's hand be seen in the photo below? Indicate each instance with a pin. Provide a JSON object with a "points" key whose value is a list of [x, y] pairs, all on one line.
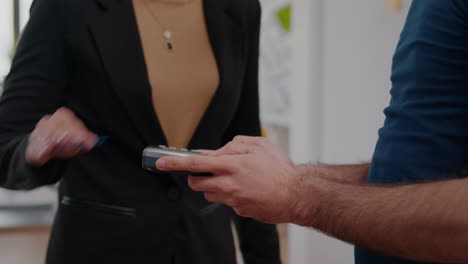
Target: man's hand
{"points": [[61, 135], [250, 174]]}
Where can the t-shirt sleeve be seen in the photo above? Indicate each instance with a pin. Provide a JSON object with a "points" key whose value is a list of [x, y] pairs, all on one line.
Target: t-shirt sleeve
{"points": [[425, 135]]}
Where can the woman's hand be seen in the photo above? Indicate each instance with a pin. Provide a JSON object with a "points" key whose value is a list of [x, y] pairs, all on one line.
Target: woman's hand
{"points": [[58, 136]]}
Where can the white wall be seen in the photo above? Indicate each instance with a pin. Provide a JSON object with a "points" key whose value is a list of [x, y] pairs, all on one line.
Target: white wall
{"points": [[6, 32], [342, 61], [6, 37], [359, 40], [42, 196]]}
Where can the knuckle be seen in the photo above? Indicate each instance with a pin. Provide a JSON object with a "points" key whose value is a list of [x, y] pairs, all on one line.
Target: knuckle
{"points": [[261, 142], [232, 166], [208, 196], [233, 203], [169, 163], [240, 139], [240, 211], [190, 182], [226, 189], [193, 164], [229, 147], [229, 189], [34, 135], [193, 184], [60, 112], [42, 121], [63, 111], [45, 118]]}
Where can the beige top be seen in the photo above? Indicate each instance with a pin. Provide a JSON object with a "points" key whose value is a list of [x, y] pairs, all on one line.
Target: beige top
{"points": [[183, 79]]}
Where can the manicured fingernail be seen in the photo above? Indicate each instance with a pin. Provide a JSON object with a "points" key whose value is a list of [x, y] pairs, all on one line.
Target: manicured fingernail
{"points": [[100, 141], [161, 164]]}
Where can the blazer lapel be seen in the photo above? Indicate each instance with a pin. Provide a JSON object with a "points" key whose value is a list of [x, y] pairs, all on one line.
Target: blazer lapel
{"points": [[228, 42], [116, 34]]}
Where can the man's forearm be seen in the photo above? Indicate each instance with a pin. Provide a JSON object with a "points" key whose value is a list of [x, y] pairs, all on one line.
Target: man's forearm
{"points": [[346, 174], [425, 222]]}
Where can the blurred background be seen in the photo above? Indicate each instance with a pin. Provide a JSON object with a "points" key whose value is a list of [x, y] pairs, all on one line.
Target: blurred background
{"points": [[25, 217], [324, 80]]}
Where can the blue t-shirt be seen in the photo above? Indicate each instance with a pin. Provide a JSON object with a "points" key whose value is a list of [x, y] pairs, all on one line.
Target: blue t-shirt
{"points": [[425, 135]]}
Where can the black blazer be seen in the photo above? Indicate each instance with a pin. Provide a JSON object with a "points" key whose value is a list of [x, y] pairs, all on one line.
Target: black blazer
{"points": [[87, 55]]}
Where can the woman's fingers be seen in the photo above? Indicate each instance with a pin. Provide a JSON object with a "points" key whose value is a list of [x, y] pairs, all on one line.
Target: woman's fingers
{"points": [[61, 135]]}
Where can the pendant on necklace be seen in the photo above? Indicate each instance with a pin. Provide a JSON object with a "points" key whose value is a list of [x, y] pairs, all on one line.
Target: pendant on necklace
{"points": [[168, 35]]}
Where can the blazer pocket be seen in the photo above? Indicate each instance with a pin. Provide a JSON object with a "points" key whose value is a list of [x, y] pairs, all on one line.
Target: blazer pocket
{"points": [[99, 207]]}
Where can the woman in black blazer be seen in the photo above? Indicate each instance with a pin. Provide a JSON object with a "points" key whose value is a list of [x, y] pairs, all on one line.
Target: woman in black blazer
{"points": [[86, 56]]}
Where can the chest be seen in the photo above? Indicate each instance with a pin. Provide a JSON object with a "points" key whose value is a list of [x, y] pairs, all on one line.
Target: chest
{"points": [[111, 68], [189, 66]]}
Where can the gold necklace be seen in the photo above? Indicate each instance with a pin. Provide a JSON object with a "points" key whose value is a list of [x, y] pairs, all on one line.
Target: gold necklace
{"points": [[169, 2], [167, 34]]}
